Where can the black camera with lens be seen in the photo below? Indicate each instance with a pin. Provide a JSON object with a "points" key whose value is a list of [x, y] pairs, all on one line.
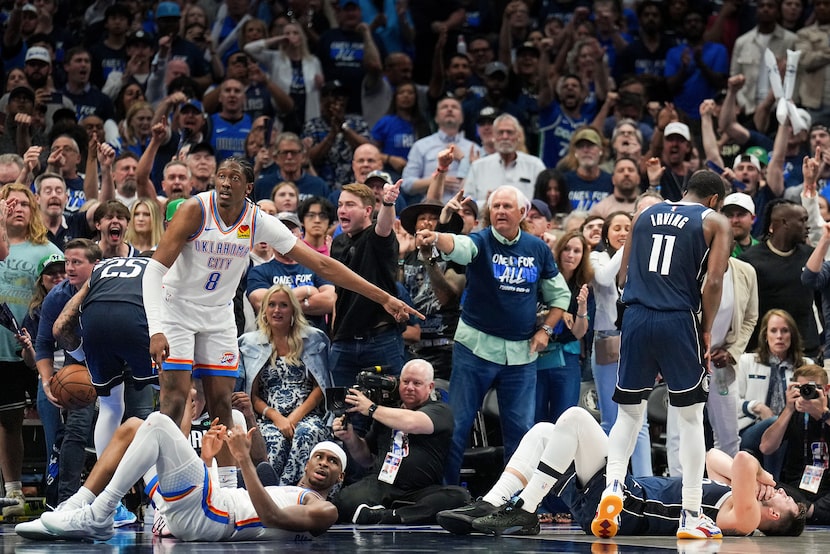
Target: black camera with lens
{"points": [[378, 386], [808, 391]]}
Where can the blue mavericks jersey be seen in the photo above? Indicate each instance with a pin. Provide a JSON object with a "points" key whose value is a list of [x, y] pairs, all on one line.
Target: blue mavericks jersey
{"points": [[117, 280], [668, 257]]}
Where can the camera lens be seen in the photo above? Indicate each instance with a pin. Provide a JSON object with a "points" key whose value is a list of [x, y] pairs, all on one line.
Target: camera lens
{"points": [[808, 391]]}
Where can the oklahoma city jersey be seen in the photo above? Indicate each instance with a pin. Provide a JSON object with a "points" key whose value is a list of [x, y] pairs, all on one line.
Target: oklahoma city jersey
{"points": [[213, 260], [246, 521]]}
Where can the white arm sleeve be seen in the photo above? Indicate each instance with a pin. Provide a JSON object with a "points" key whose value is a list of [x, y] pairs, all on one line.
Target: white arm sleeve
{"points": [[152, 294]]}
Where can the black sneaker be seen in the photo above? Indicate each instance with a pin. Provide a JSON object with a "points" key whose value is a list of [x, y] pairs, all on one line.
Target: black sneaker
{"points": [[509, 520], [459, 521], [368, 515]]}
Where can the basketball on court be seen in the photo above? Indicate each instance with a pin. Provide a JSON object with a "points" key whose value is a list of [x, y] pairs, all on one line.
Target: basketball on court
{"points": [[72, 386]]}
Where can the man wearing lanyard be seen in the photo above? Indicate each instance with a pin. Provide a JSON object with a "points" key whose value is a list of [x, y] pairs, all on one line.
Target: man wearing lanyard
{"points": [[405, 448]]}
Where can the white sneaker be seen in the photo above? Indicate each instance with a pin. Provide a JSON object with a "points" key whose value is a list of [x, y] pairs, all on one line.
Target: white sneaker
{"points": [[606, 522], [18, 504], [78, 524], [35, 531], [693, 526]]}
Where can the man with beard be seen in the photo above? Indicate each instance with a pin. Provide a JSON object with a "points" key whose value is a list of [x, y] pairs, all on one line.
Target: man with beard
{"points": [[111, 220], [560, 114], [677, 147], [696, 70], [626, 181], [747, 170], [739, 209], [507, 166], [123, 177], [778, 262], [38, 70], [587, 184], [495, 81], [423, 156], [61, 228]]}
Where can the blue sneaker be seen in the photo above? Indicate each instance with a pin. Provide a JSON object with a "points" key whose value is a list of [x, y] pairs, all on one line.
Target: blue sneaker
{"points": [[123, 516]]}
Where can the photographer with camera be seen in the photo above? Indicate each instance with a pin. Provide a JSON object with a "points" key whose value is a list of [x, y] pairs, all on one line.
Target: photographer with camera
{"points": [[802, 427], [405, 448]]}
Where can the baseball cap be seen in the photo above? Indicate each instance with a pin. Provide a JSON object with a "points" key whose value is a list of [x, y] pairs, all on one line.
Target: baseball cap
{"points": [[746, 158], [290, 218], [758, 152], [487, 115], [39, 54], [378, 174], [495, 67], [29, 8], [528, 48], [22, 91], [677, 128], [193, 103], [740, 199], [202, 147], [334, 449], [470, 203], [542, 208], [589, 134], [334, 87], [168, 9], [49, 261], [142, 37]]}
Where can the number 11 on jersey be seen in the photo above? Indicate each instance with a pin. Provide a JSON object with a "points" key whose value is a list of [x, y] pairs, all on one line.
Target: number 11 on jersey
{"points": [[661, 246]]}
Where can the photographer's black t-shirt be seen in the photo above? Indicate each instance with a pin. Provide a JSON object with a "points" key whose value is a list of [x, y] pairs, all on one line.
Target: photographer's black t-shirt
{"points": [[423, 455]]}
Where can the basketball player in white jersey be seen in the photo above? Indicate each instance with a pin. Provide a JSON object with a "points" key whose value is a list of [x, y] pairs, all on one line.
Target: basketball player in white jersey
{"points": [[192, 278]]}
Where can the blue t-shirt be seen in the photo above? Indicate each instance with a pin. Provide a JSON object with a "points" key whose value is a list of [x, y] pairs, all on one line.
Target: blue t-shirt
{"points": [[696, 88], [394, 135], [584, 194], [265, 276], [504, 280]]}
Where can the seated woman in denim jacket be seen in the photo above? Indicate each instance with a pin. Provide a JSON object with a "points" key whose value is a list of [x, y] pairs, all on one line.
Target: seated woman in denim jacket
{"points": [[284, 366]]}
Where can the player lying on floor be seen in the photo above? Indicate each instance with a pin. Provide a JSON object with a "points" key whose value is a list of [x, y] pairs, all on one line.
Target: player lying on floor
{"points": [[188, 495], [568, 458]]}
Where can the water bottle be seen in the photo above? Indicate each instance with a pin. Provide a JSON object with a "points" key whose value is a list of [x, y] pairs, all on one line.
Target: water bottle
{"points": [[461, 47]]}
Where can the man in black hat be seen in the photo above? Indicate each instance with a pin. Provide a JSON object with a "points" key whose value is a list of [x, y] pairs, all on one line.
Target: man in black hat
{"points": [[335, 135], [496, 77], [434, 285], [139, 47], [201, 163], [19, 134]]}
